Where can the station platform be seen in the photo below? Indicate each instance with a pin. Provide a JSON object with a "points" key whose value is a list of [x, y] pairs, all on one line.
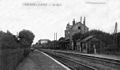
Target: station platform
{"points": [[114, 57], [38, 60]]}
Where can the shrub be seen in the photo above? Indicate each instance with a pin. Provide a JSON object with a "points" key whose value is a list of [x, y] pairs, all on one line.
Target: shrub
{"points": [[7, 40], [26, 38]]}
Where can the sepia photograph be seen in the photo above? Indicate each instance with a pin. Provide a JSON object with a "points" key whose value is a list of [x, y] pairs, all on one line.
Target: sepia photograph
{"points": [[59, 34]]}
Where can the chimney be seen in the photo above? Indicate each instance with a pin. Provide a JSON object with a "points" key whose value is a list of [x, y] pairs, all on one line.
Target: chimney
{"points": [[81, 19], [68, 24], [73, 22], [84, 20]]}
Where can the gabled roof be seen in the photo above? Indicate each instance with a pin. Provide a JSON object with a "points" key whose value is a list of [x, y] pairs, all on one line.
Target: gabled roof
{"points": [[76, 24], [44, 40], [87, 38], [79, 23]]}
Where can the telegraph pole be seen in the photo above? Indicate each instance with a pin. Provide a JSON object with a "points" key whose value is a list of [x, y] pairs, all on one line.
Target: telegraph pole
{"points": [[54, 41], [115, 30], [56, 36]]}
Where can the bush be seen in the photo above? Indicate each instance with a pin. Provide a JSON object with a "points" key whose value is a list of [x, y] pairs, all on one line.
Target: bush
{"points": [[26, 38], [7, 40], [11, 53]]}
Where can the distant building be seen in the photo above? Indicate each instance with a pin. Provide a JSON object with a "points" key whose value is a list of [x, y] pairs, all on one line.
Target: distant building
{"points": [[76, 27], [43, 41]]}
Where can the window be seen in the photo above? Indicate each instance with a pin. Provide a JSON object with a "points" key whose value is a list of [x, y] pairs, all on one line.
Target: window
{"points": [[79, 27]]}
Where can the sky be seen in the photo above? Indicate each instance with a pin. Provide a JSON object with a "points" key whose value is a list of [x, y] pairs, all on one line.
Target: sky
{"points": [[44, 19]]}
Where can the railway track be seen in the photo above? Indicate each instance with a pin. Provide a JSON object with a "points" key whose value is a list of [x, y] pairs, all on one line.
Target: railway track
{"points": [[106, 63], [96, 63], [71, 63]]}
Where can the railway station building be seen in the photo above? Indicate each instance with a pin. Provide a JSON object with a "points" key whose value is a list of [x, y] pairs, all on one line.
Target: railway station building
{"points": [[76, 27]]}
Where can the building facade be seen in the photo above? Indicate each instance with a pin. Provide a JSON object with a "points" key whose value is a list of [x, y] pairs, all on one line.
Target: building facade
{"points": [[76, 27], [90, 44], [42, 41]]}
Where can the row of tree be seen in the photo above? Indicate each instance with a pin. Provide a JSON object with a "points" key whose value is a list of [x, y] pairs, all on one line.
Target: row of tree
{"points": [[9, 41], [103, 36]]}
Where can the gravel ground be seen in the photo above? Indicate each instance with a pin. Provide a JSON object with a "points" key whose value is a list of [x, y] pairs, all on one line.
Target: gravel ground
{"points": [[38, 61]]}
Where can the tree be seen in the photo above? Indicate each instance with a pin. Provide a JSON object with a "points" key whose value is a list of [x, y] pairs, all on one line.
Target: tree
{"points": [[103, 36], [26, 38], [2, 33], [8, 40], [118, 40]]}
